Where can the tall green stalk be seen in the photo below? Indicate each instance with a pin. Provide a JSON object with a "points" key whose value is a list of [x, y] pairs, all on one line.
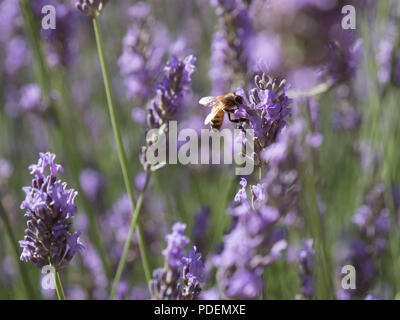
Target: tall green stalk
{"points": [[59, 287], [316, 229], [124, 168], [142, 245], [315, 222]]}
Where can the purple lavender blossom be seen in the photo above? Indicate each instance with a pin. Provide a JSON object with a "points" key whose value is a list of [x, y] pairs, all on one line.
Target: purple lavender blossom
{"points": [[49, 209], [264, 52], [201, 222], [210, 294], [250, 247], [76, 292], [122, 290], [6, 170], [192, 275], [373, 222], [384, 54], [176, 241], [140, 293], [373, 218], [10, 19], [138, 115], [174, 85], [306, 265], [229, 56], [257, 239], [181, 275], [167, 104], [323, 40], [284, 156], [8, 271], [115, 229], [17, 55], [92, 261], [91, 182], [242, 204], [30, 97], [140, 181], [170, 91], [266, 111], [61, 45], [144, 46], [388, 54], [91, 8], [24, 100], [242, 193], [346, 118], [342, 61], [193, 267]]}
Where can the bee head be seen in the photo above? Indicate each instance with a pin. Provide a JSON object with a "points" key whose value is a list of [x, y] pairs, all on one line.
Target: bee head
{"points": [[238, 100]]}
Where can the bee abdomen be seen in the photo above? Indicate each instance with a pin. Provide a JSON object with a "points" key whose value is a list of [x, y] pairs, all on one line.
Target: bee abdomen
{"points": [[216, 121], [216, 125]]}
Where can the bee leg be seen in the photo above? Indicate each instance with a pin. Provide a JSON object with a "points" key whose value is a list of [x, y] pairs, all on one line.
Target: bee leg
{"points": [[241, 119]]}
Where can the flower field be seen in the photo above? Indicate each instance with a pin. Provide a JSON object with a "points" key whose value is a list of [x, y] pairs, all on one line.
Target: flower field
{"points": [[200, 150]]}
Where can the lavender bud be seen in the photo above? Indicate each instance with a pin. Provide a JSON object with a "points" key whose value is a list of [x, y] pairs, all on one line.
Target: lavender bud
{"points": [[91, 8], [50, 209]]}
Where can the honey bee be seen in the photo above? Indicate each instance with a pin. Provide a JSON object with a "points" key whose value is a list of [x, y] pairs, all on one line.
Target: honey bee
{"points": [[227, 103]]}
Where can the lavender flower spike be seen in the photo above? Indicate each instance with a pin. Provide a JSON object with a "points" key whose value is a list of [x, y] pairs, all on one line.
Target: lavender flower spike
{"points": [[230, 47], [267, 111], [181, 276], [306, 265], [91, 8], [50, 209], [167, 104], [192, 275]]}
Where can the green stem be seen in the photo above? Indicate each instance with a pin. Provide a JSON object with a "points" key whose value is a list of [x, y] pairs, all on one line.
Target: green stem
{"points": [[59, 287], [128, 241], [316, 228], [124, 168], [113, 116], [145, 256], [30, 292], [315, 222]]}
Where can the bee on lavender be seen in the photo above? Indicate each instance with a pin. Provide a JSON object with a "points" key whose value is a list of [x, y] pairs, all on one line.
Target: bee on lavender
{"points": [[226, 103]]}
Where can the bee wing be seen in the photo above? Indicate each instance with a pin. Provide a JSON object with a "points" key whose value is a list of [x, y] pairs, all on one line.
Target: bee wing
{"points": [[213, 112], [209, 101]]}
